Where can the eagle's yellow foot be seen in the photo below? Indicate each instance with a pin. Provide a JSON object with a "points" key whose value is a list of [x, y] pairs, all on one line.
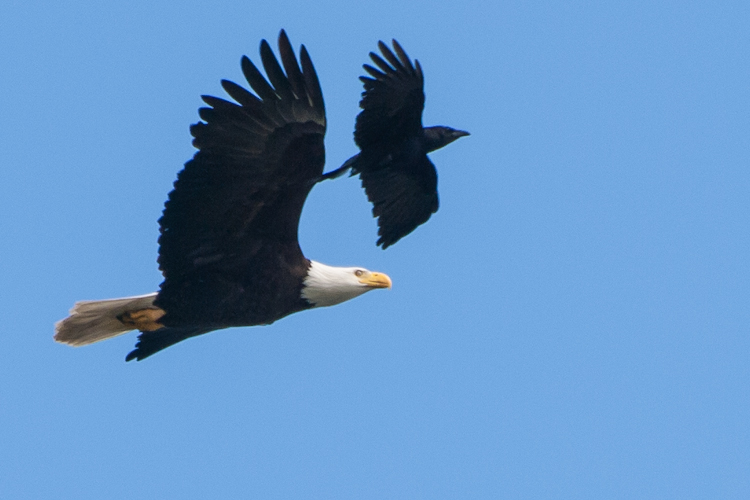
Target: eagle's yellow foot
{"points": [[145, 320]]}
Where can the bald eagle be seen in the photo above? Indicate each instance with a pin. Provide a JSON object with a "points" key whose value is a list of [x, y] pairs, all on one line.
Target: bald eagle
{"points": [[228, 247]]}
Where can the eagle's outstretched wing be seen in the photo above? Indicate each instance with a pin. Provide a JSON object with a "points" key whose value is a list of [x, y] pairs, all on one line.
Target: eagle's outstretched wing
{"points": [[231, 221]]}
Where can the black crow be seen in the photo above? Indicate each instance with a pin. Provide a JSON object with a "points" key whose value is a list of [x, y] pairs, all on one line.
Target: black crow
{"points": [[398, 177]]}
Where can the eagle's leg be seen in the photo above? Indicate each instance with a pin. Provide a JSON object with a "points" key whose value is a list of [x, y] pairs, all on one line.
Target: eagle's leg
{"points": [[145, 320]]}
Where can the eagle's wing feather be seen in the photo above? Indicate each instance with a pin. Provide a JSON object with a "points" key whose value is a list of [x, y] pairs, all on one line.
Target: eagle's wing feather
{"points": [[230, 224]]}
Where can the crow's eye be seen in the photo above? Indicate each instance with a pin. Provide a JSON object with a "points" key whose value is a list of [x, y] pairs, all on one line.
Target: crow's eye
{"points": [[358, 273]]}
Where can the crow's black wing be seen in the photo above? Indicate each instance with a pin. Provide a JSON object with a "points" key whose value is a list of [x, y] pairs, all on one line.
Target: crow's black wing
{"points": [[402, 198], [392, 101], [398, 178]]}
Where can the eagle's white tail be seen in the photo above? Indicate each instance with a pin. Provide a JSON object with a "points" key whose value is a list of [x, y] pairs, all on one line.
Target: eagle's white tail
{"points": [[94, 320]]}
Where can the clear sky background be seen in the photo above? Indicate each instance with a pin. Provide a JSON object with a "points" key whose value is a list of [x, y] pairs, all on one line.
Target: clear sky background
{"points": [[572, 323]]}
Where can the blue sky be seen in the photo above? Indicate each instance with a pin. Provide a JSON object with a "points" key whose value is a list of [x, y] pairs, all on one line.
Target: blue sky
{"points": [[572, 323]]}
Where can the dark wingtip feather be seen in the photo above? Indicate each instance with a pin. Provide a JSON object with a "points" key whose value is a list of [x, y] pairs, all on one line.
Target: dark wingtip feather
{"points": [[216, 102], [149, 343], [380, 63], [385, 240], [256, 80], [401, 53], [291, 66], [312, 82], [206, 114], [265, 46], [372, 71], [388, 54], [239, 94], [383, 47], [274, 73]]}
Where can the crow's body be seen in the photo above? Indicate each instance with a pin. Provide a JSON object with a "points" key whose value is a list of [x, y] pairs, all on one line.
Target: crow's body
{"points": [[398, 177]]}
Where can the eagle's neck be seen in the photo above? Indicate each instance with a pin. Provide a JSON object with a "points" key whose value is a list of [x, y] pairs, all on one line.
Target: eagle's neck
{"points": [[327, 285]]}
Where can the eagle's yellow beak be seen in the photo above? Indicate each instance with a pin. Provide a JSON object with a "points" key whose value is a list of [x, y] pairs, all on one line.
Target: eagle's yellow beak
{"points": [[376, 280]]}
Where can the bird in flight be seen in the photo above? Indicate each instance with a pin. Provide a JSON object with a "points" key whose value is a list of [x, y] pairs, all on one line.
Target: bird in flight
{"points": [[228, 248], [399, 179]]}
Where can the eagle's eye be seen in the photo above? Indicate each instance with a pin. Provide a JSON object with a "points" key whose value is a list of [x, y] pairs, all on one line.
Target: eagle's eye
{"points": [[358, 273]]}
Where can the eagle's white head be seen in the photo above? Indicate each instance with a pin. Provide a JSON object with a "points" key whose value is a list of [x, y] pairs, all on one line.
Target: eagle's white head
{"points": [[328, 286]]}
